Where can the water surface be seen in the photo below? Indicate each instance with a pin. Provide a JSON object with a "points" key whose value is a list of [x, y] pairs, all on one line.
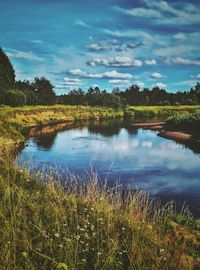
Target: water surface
{"points": [[118, 151]]}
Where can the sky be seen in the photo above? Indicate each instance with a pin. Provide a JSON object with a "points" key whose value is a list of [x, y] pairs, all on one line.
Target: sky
{"points": [[107, 43]]}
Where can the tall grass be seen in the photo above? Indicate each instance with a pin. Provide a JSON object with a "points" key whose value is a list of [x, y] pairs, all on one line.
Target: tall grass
{"points": [[45, 225]]}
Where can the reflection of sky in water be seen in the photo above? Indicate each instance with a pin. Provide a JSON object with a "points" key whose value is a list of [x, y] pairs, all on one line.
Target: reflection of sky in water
{"points": [[160, 165]]}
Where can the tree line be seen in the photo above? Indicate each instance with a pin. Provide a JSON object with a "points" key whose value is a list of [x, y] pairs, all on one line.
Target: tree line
{"points": [[41, 92]]}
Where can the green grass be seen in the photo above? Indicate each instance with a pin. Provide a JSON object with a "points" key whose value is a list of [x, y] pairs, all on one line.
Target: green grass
{"points": [[185, 121], [44, 225]]}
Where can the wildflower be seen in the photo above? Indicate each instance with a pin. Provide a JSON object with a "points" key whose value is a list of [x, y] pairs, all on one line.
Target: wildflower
{"points": [[162, 250], [123, 229], [60, 245], [83, 260], [56, 235], [99, 253], [21, 171], [24, 254], [77, 237], [62, 266]]}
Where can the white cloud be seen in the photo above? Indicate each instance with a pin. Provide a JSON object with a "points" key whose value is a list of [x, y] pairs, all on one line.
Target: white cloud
{"points": [[119, 81], [164, 13], [72, 81], [81, 23], [117, 61], [113, 45], [161, 85], [23, 55], [197, 76], [156, 75], [36, 41], [187, 82], [139, 83], [108, 74], [180, 36], [151, 62], [140, 12], [66, 79], [185, 61]]}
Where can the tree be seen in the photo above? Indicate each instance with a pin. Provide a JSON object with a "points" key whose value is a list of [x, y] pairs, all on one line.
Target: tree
{"points": [[15, 98], [7, 73], [44, 90]]}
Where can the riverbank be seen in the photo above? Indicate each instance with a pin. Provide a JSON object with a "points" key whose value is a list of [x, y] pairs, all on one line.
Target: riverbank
{"points": [[15, 122], [46, 226]]}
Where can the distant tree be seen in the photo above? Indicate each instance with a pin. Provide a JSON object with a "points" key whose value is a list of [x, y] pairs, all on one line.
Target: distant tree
{"points": [[44, 90]]}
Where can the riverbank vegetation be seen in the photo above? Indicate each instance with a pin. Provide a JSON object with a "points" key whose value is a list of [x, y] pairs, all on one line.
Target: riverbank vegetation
{"points": [[45, 225], [185, 121]]}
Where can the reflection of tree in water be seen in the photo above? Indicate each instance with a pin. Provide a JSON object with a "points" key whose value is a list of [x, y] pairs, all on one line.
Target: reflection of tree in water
{"points": [[106, 128], [192, 145], [111, 127], [46, 142]]}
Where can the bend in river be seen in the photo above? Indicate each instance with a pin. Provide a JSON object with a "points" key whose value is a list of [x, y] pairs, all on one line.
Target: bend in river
{"points": [[121, 152]]}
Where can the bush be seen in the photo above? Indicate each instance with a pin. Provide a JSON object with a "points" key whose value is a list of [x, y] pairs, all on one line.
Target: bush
{"points": [[15, 98]]}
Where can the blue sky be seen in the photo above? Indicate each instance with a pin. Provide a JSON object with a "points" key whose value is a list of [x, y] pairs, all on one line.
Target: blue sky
{"points": [[108, 43]]}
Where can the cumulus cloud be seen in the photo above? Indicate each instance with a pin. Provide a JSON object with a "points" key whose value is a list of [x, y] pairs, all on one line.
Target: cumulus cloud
{"points": [[161, 85], [151, 62], [108, 74], [156, 75], [23, 55], [184, 61], [113, 45], [117, 61]]}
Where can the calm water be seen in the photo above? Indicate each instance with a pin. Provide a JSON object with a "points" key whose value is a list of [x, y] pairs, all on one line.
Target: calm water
{"points": [[120, 152]]}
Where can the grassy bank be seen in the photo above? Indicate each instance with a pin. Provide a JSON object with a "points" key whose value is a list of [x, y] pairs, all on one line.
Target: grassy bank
{"points": [[44, 225], [14, 122], [185, 121]]}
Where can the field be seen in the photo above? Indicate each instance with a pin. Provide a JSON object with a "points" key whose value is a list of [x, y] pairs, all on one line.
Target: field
{"points": [[45, 225]]}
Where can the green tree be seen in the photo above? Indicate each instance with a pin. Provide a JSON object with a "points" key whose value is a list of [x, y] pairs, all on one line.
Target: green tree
{"points": [[44, 90], [15, 98], [7, 73]]}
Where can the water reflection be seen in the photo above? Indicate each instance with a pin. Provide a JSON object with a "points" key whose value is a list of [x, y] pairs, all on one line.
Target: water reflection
{"points": [[119, 151]]}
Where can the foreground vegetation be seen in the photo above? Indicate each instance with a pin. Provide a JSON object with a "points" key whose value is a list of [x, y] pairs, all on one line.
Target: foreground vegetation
{"points": [[45, 225]]}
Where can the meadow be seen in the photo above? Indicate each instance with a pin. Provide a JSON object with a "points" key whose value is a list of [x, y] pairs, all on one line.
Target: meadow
{"points": [[47, 225]]}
